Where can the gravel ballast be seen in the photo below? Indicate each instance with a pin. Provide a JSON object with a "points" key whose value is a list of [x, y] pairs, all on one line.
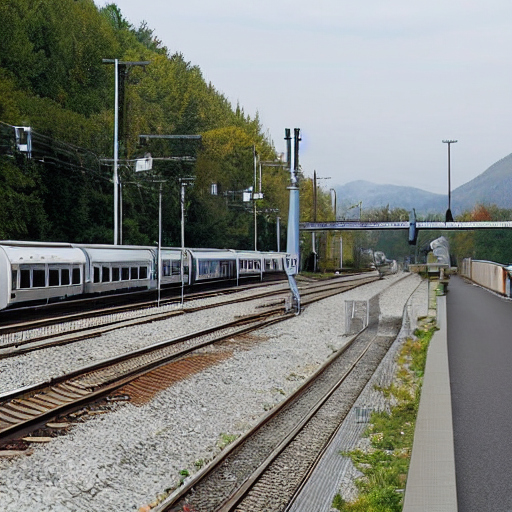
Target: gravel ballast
{"points": [[124, 459]]}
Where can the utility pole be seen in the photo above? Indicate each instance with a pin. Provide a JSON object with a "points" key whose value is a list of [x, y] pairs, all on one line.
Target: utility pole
{"points": [[292, 241], [449, 216], [313, 235], [117, 63], [255, 156]]}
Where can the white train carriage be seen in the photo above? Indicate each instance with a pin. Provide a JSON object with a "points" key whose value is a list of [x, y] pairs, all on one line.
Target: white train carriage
{"points": [[171, 266], [111, 268], [212, 265], [250, 264], [274, 262], [32, 272]]}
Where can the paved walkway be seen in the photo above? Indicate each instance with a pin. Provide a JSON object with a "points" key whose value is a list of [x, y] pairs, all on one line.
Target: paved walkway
{"points": [[480, 356]]}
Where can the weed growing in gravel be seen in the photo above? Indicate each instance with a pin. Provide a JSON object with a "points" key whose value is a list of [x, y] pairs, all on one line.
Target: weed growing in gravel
{"points": [[226, 439], [385, 464]]}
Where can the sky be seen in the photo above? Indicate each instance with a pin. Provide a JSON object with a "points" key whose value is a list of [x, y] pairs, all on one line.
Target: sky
{"points": [[374, 86]]}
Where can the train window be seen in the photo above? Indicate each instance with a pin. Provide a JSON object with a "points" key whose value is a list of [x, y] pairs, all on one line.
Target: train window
{"points": [[251, 265], [38, 278], [76, 276], [176, 268], [24, 278], [64, 276], [135, 272], [96, 274], [257, 265], [115, 274], [53, 277], [143, 273], [14, 280], [105, 274], [166, 267], [125, 274]]}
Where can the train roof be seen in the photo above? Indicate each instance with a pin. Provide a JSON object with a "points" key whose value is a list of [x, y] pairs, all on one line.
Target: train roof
{"points": [[19, 243], [117, 254], [214, 254], [36, 254]]}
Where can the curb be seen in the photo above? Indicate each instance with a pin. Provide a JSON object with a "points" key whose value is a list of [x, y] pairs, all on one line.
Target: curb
{"points": [[431, 484]]}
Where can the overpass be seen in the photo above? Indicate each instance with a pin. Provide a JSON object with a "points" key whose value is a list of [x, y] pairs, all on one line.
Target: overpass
{"points": [[348, 225]]}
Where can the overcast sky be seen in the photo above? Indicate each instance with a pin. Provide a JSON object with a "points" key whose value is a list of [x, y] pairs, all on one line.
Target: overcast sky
{"points": [[374, 86]]}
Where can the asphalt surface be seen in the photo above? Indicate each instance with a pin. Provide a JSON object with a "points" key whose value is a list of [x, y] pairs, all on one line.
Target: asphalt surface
{"points": [[480, 360]]}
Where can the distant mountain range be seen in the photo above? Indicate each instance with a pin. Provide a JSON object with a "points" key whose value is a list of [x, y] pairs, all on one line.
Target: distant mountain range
{"points": [[494, 186]]}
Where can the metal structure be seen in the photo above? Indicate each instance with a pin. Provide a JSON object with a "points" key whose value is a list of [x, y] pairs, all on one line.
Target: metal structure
{"points": [[405, 225], [449, 216], [292, 239], [117, 63]]}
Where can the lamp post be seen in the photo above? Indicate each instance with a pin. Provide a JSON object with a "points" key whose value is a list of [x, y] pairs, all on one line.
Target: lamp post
{"points": [[449, 216], [117, 63]]}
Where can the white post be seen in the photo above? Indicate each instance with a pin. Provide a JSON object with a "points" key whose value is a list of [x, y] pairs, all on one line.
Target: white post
{"points": [[116, 153], [254, 201], [159, 242], [182, 266], [278, 234], [341, 253], [120, 213]]}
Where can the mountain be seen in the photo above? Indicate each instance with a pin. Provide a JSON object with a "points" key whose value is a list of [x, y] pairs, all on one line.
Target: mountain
{"points": [[376, 196], [494, 186]]}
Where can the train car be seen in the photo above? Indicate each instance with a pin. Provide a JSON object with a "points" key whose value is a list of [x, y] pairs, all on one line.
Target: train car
{"points": [[384, 265], [171, 266], [33, 272], [114, 268], [274, 262], [212, 265], [250, 264], [38, 273]]}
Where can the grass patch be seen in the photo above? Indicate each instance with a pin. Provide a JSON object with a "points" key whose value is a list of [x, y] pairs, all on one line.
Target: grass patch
{"points": [[385, 464], [226, 439]]}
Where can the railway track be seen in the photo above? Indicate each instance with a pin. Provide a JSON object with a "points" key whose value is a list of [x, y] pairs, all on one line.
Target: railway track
{"points": [[78, 327], [31, 405], [265, 468], [28, 406]]}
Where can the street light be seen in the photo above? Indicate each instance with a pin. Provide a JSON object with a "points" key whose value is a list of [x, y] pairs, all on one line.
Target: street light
{"points": [[449, 216], [118, 63]]}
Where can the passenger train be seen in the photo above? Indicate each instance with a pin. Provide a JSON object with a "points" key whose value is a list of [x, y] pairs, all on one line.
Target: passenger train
{"points": [[37, 272]]}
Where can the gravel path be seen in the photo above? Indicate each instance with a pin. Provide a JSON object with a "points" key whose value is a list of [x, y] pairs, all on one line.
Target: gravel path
{"points": [[123, 460]]}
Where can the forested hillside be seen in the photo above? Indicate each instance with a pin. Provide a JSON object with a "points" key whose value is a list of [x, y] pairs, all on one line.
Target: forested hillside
{"points": [[53, 79]]}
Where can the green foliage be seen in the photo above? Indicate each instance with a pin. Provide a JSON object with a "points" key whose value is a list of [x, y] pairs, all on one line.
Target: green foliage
{"points": [[225, 440], [52, 78], [492, 245], [385, 465], [21, 205]]}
